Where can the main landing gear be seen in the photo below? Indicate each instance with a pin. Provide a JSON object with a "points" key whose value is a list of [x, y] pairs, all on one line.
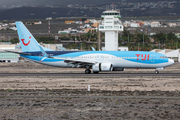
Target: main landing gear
{"points": [[157, 72], [88, 71]]}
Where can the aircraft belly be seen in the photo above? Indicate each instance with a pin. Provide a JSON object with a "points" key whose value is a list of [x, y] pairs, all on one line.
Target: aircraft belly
{"points": [[57, 64]]}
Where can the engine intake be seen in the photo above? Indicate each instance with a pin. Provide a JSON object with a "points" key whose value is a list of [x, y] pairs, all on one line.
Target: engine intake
{"points": [[102, 67]]}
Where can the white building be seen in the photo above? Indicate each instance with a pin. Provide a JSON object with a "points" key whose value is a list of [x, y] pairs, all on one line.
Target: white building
{"points": [[8, 56], [78, 22], [63, 32], [93, 20], [119, 49], [123, 49], [111, 24], [67, 31], [49, 18], [147, 24], [126, 24], [56, 47], [172, 24], [155, 24], [173, 54], [87, 26], [134, 25], [13, 28]]}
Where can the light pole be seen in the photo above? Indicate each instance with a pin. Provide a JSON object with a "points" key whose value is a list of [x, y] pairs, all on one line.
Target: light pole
{"points": [[165, 43], [81, 46], [138, 46], [90, 36], [143, 39], [176, 43], [75, 37], [128, 37]]}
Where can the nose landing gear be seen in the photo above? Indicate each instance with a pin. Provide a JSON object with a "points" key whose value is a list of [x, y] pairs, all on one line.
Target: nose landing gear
{"points": [[157, 72]]}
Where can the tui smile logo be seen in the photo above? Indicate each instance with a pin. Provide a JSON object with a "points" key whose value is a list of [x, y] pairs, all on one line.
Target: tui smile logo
{"points": [[26, 44]]}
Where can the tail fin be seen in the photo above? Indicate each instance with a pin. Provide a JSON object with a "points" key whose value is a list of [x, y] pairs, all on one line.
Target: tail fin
{"points": [[27, 41]]}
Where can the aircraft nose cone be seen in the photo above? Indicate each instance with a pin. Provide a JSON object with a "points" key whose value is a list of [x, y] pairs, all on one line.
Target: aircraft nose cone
{"points": [[171, 61]]}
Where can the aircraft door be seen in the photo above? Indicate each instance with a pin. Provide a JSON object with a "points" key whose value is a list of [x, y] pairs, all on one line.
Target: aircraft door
{"points": [[152, 58]]}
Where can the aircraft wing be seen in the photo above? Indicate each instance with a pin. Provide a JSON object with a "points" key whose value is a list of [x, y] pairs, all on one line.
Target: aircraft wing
{"points": [[78, 62], [18, 52]]}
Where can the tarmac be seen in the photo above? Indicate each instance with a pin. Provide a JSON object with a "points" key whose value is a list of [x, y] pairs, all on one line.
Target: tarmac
{"points": [[92, 75], [33, 91]]}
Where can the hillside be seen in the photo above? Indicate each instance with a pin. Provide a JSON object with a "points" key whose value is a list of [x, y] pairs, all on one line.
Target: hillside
{"points": [[66, 2], [128, 8], [42, 13], [54, 2]]}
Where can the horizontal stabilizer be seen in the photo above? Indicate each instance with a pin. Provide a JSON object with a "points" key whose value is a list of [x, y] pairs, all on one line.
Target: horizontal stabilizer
{"points": [[43, 52], [19, 52]]}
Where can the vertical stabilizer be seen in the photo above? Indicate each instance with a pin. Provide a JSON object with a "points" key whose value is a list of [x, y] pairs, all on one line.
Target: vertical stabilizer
{"points": [[27, 41]]}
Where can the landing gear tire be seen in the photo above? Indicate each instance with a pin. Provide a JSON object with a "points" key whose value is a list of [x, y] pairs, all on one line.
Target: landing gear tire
{"points": [[157, 72], [95, 72], [87, 71]]}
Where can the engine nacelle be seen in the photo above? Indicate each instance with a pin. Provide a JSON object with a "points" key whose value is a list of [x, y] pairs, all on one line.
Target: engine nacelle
{"points": [[102, 67]]}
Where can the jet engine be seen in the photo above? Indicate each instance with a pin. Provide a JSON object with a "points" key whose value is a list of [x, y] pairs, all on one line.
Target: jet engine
{"points": [[102, 67]]}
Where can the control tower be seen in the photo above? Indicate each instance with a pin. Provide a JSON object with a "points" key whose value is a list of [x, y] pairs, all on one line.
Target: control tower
{"points": [[111, 25]]}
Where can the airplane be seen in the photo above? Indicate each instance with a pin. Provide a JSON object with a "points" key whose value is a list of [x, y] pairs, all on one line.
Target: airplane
{"points": [[97, 61]]}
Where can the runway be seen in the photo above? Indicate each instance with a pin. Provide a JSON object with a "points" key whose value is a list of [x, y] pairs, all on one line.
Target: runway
{"points": [[68, 96], [91, 75]]}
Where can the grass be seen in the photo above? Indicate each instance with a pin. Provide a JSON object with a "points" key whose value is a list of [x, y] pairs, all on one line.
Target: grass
{"points": [[10, 90]]}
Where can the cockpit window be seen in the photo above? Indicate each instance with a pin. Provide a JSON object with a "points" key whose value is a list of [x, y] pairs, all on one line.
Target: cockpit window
{"points": [[163, 57]]}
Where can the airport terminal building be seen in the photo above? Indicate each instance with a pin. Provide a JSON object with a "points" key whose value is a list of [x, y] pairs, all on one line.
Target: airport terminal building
{"points": [[7, 56]]}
